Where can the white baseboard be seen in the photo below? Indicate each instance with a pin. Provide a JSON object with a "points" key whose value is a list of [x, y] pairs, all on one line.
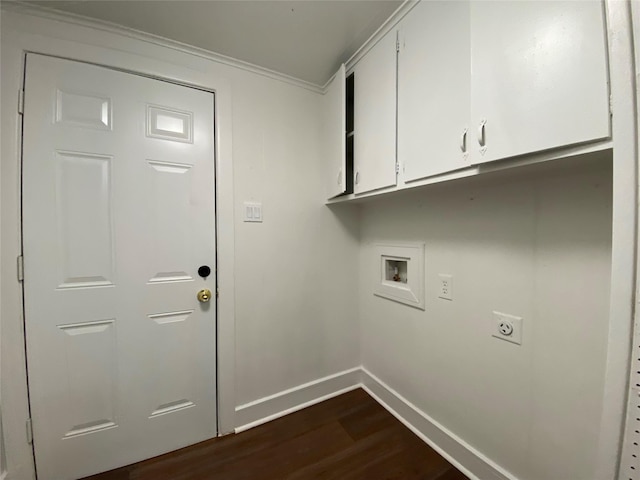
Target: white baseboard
{"points": [[288, 401], [463, 456], [459, 453]]}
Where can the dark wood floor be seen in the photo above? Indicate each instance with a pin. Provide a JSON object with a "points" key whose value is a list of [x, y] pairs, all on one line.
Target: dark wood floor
{"points": [[350, 437]]}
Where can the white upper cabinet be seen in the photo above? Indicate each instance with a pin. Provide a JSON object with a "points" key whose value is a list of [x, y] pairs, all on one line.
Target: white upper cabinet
{"points": [[538, 76], [477, 81], [335, 131], [375, 117], [434, 81]]}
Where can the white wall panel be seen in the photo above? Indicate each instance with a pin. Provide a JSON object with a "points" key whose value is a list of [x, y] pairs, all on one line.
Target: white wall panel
{"points": [[535, 245], [296, 271]]}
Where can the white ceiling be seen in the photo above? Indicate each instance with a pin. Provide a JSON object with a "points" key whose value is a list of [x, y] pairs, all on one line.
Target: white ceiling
{"points": [[306, 39]]}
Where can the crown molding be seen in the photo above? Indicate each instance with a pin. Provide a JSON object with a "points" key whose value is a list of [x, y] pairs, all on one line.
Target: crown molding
{"points": [[110, 27]]}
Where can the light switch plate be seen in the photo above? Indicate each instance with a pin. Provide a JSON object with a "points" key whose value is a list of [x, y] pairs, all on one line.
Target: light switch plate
{"points": [[253, 212]]}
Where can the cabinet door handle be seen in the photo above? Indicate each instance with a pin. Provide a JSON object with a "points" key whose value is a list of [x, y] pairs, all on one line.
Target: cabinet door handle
{"points": [[340, 178], [463, 141], [357, 177], [481, 139]]}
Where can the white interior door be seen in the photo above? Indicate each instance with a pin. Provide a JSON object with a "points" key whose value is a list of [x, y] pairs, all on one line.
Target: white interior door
{"points": [[118, 215]]}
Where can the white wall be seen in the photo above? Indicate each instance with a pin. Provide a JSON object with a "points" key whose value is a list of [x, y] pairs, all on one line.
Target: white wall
{"points": [[537, 245], [294, 274]]}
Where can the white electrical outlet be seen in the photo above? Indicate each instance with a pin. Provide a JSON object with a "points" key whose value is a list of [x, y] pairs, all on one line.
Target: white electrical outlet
{"points": [[446, 286], [507, 327]]}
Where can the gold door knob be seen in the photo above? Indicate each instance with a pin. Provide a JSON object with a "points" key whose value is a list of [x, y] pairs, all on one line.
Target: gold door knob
{"points": [[204, 295]]}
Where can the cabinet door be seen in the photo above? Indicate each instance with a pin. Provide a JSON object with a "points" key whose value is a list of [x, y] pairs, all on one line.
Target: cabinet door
{"points": [[375, 117], [335, 134], [434, 89], [539, 76]]}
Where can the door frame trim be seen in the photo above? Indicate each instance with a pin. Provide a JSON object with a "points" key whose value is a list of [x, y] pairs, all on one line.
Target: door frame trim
{"points": [[132, 55]]}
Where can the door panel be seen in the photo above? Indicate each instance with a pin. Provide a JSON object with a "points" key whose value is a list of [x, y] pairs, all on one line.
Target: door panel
{"points": [[91, 387], [170, 222], [335, 130], [82, 110], [375, 117], [539, 76], [434, 89], [172, 336], [118, 214], [83, 211]]}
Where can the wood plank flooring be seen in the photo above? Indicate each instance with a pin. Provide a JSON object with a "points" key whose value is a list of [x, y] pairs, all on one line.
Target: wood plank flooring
{"points": [[350, 437]]}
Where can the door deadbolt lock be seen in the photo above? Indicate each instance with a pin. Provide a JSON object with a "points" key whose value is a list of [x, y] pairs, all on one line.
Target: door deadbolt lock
{"points": [[204, 295], [204, 271]]}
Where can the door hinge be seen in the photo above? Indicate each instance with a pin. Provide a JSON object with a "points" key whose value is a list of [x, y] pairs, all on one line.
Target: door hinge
{"points": [[397, 167], [20, 264], [611, 105], [217, 292], [397, 45], [21, 102], [29, 431]]}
